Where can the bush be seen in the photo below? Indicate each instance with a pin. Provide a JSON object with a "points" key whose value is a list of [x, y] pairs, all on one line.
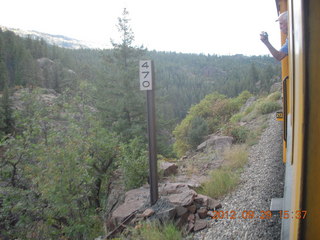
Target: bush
{"points": [[134, 163], [268, 106], [213, 111], [236, 117], [240, 134], [197, 131], [274, 96]]}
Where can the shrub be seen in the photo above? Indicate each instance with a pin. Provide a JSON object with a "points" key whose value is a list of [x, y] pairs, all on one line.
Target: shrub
{"points": [[213, 111], [236, 117], [274, 96], [268, 106], [197, 131], [239, 133], [134, 163]]}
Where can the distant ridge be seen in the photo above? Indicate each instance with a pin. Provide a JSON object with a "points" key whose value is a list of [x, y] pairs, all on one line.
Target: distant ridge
{"points": [[58, 40]]}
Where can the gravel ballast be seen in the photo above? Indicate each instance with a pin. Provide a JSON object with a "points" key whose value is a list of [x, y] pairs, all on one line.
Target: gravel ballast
{"points": [[261, 180]]}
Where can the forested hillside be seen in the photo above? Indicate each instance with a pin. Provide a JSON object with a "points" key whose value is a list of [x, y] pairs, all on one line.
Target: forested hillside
{"points": [[181, 79], [60, 157]]}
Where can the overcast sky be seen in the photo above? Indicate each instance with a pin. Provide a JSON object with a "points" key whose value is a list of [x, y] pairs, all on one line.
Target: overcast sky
{"points": [[188, 26]]}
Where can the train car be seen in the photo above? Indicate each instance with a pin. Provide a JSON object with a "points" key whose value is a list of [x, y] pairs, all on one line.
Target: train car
{"points": [[300, 211]]}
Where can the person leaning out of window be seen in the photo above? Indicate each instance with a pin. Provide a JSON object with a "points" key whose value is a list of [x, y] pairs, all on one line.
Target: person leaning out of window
{"points": [[283, 51]]}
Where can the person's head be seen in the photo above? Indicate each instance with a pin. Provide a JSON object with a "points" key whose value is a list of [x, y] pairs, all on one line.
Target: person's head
{"points": [[283, 21]]}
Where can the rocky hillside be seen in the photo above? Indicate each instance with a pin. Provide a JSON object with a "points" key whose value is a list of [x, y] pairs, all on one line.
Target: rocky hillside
{"points": [[261, 181]]}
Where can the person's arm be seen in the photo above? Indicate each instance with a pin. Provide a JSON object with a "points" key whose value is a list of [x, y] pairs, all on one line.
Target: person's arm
{"points": [[275, 53]]}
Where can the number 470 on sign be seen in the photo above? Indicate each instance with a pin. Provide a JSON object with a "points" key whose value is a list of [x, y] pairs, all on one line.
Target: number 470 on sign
{"points": [[145, 73]]}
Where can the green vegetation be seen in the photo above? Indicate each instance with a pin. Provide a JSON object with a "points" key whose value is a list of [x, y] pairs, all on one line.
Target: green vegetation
{"points": [[155, 231], [226, 178], [134, 163], [197, 131], [221, 181], [56, 175], [239, 134], [59, 156], [268, 106], [236, 157], [214, 111]]}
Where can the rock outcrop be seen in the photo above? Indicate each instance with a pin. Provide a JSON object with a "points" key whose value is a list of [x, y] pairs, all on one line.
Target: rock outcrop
{"points": [[53, 75], [215, 142]]}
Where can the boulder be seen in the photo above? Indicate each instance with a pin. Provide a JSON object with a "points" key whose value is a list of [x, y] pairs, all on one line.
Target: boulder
{"points": [[202, 146], [134, 200], [183, 199], [202, 212], [182, 220], [216, 143], [190, 227], [208, 202], [200, 224], [168, 168], [166, 215], [178, 193], [213, 204], [192, 208], [172, 188], [201, 200], [191, 218], [181, 211]]}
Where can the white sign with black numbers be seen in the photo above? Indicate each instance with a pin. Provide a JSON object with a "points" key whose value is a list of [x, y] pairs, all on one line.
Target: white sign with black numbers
{"points": [[145, 72]]}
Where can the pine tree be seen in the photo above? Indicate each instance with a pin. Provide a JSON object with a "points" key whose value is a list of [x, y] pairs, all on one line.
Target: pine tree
{"points": [[253, 78], [122, 102], [6, 121]]}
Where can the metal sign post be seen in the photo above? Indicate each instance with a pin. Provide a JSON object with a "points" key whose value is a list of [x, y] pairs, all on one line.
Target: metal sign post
{"points": [[146, 72]]}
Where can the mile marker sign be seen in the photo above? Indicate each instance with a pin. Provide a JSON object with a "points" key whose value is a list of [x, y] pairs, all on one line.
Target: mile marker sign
{"points": [[145, 72]]}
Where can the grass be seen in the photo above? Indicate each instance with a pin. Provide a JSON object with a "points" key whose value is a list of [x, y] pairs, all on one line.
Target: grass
{"points": [[223, 180], [154, 231], [236, 157]]}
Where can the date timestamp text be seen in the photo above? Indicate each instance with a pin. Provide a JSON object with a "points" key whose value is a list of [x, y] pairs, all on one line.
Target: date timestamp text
{"points": [[247, 214]]}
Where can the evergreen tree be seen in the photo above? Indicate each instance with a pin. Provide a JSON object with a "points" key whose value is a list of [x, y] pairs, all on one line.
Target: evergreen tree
{"points": [[4, 78], [6, 119], [253, 78], [121, 101], [7, 111]]}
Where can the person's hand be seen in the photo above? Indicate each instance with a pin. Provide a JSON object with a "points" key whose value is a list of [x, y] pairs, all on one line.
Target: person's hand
{"points": [[264, 37]]}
